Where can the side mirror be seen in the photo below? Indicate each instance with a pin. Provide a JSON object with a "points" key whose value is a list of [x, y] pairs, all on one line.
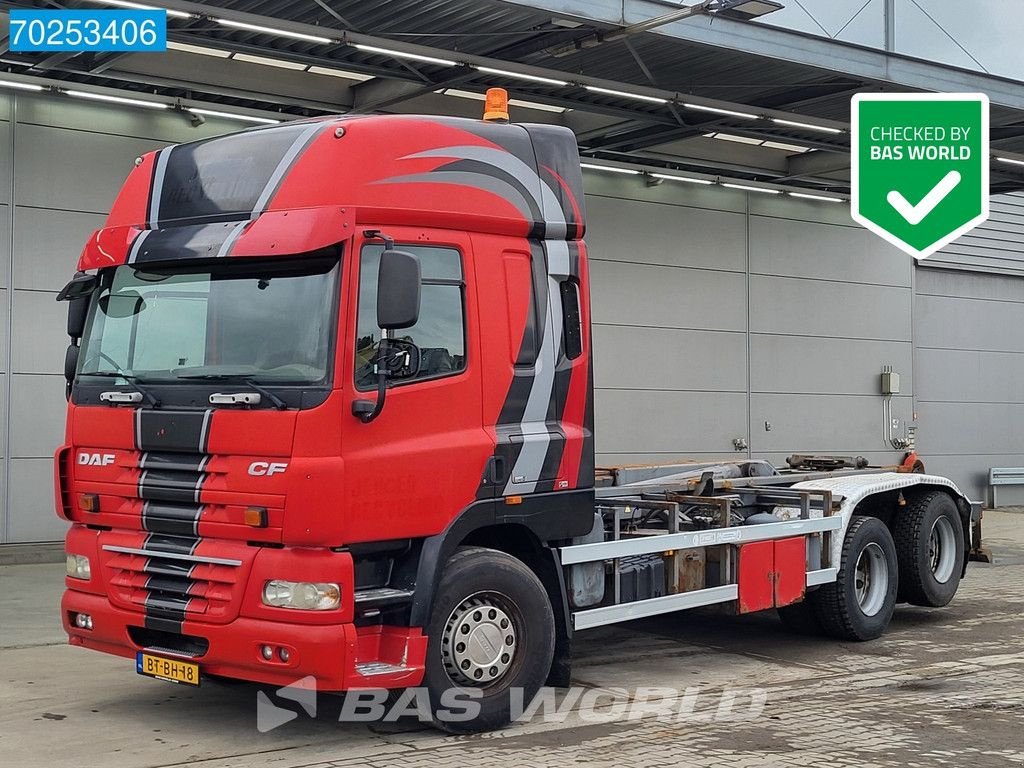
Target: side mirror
{"points": [[398, 290], [70, 367], [78, 308], [401, 360], [80, 286]]}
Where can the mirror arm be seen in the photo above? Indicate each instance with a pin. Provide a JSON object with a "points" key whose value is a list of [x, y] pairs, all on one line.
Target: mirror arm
{"points": [[376, 234], [360, 408]]}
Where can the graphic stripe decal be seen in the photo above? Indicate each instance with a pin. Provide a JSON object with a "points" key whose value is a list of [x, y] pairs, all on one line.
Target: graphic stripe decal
{"points": [[156, 192], [289, 158]]}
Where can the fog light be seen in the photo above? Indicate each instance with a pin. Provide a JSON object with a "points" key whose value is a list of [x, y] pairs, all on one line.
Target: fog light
{"points": [[302, 595], [283, 654], [83, 621], [77, 567], [267, 652]]}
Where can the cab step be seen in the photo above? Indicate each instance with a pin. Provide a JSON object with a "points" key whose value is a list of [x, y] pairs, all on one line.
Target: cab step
{"points": [[381, 596]]}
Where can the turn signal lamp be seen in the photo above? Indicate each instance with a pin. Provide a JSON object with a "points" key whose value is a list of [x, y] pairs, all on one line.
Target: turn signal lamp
{"points": [[496, 105], [89, 502], [256, 517]]}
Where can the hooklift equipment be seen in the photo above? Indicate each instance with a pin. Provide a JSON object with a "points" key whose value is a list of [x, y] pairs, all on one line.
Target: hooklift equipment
{"points": [[331, 415]]}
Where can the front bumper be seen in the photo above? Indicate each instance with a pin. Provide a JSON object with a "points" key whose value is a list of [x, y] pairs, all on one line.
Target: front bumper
{"points": [[333, 654]]}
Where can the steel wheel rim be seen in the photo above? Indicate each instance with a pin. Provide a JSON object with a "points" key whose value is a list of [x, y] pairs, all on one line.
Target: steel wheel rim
{"points": [[480, 640], [871, 579], [942, 550]]}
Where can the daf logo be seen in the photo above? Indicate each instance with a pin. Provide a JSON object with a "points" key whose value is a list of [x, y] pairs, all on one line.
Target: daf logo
{"points": [[266, 468], [96, 459]]}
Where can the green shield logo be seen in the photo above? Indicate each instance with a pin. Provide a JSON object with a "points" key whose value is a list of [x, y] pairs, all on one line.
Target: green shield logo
{"points": [[919, 166]]}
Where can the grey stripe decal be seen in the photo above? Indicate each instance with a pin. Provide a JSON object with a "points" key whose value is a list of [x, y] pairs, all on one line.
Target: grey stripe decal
{"points": [[282, 168], [133, 254], [468, 179], [158, 185], [229, 241]]}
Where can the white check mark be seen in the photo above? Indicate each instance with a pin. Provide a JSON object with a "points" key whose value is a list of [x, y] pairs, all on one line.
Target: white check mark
{"points": [[915, 214]]}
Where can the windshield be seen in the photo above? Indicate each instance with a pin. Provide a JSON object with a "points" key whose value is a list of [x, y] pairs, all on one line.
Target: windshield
{"points": [[269, 321]]}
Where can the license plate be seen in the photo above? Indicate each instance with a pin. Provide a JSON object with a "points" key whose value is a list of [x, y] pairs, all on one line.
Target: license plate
{"points": [[172, 670]]}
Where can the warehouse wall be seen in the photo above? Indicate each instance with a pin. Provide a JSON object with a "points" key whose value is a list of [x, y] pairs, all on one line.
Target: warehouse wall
{"points": [[763, 319], [713, 314]]}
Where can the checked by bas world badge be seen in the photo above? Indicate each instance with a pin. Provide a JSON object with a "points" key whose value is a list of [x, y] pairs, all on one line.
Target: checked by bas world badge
{"points": [[919, 166]]}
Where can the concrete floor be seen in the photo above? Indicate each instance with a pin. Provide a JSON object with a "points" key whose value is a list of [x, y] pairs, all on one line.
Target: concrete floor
{"points": [[943, 687]]}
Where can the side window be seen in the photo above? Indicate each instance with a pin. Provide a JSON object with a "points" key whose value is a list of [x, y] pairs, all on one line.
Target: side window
{"points": [[572, 329], [440, 332]]}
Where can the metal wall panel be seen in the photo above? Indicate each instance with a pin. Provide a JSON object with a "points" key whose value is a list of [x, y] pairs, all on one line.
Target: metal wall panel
{"points": [[38, 333], [843, 424], [993, 246], [626, 357], [36, 431], [671, 235], [824, 251], [819, 308], [73, 170], [46, 245], [31, 495], [816, 365], [667, 297], [672, 423], [945, 322]]}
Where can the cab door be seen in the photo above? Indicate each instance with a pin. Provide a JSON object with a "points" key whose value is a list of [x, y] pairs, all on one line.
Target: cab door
{"points": [[419, 463]]}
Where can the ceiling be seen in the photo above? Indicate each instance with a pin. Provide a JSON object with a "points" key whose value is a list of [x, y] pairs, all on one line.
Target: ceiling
{"points": [[641, 99]]}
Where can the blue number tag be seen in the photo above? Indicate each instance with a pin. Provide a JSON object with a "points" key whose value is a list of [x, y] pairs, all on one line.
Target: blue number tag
{"points": [[33, 31]]}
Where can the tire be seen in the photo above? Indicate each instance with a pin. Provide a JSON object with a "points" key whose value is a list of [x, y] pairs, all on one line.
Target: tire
{"points": [[482, 593], [855, 607], [800, 618], [929, 549]]}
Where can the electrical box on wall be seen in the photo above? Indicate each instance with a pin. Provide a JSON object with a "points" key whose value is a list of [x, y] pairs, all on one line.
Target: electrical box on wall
{"points": [[890, 383]]}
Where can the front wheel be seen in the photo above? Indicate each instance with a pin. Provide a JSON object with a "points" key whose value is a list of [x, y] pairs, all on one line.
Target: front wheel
{"points": [[860, 603], [492, 635]]}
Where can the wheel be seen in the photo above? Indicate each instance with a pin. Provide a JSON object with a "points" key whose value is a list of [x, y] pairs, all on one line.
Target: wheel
{"points": [[800, 618], [929, 549], [859, 604], [492, 629]]}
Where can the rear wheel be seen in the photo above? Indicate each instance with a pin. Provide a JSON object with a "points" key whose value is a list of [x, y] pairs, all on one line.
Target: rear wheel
{"points": [[929, 549], [860, 603], [492, 630]]}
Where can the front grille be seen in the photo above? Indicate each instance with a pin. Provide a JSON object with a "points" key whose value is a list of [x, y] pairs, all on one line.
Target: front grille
{"points": [[169, 642], [166, 579]]}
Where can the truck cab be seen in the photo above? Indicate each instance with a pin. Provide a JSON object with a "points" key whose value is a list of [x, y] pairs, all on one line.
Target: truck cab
{"points": [[251, 481]]}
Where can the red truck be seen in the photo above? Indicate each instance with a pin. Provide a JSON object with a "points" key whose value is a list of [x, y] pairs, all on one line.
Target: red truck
{"points": [[331, 414]]}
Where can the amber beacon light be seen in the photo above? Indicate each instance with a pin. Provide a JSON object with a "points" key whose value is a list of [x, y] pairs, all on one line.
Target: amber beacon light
{"points": [[496, 105]]}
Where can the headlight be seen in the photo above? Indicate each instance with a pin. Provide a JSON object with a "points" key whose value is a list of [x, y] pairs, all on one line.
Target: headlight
{"points": [[78, 567], [303, 595]]}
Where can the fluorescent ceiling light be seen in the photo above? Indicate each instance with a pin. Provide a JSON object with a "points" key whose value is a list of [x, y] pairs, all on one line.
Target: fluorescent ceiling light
{"points": [[688, 179], [141, 7], [626, 95], [611, 168], [233, 116], [200, 49], [737, 139], [274, 31], [268, 62], [520, 75], [808, 126], [718, 111], [404, 55], [786, 147], [751, 189], [1010, 160], [512, 102], [117, 99], [20, 86], [339, 73], [826, 198]]}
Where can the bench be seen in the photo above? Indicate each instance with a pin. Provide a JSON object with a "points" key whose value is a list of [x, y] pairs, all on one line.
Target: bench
{"points": [[998, 476]]}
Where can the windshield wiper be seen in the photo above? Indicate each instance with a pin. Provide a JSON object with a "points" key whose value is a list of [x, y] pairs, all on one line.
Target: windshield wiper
{"points": [[133, 382], [245, 378]]}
